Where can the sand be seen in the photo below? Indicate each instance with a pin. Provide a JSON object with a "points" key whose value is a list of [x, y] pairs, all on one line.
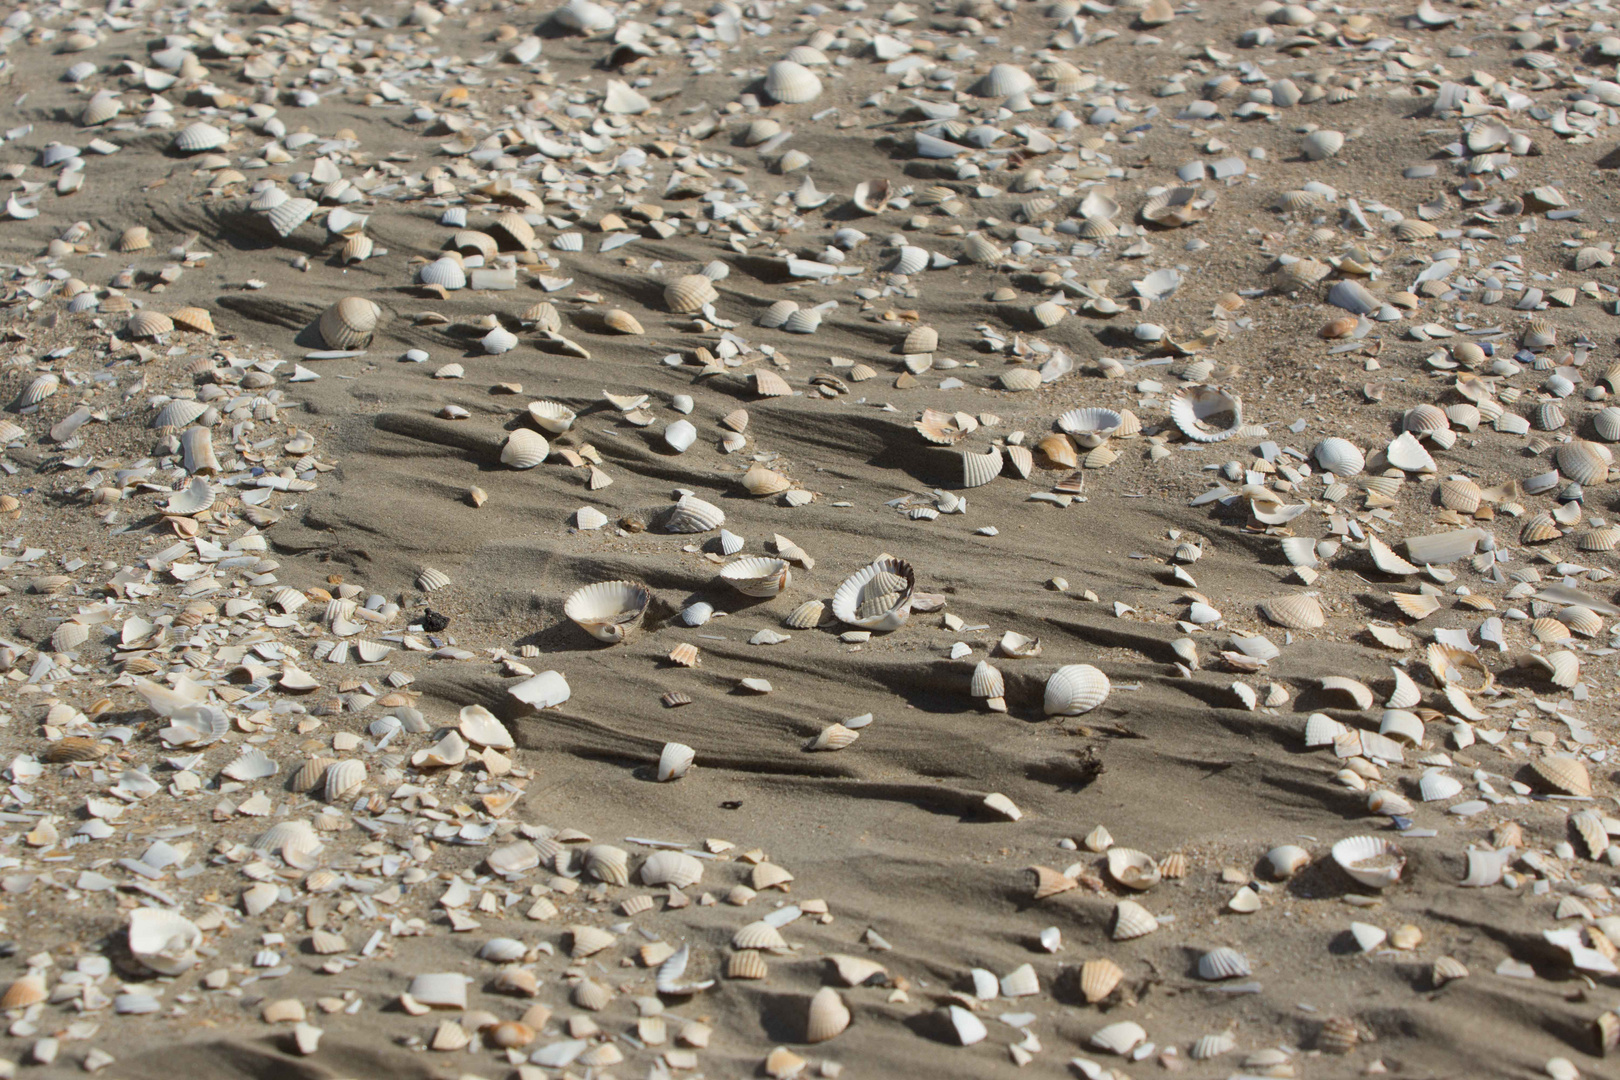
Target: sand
{"points": [[891, 832]]}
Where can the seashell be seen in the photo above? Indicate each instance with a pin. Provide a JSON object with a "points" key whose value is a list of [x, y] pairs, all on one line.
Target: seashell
{"points": [[807, 616], [1321, 144], [833, 737], [1049, 313], [1207, 1047], [499, 340], [980, 249], [1359, 692], [871, 196], [1562, 775], [746, 965], [608, 610], [287, 215], [23, 992], [761, 481], [1369, 860], [1021, 379], [589, 994], [877, 597], [1223, 963], [135, 238], [148, 324], [1075, 689], [980, 469], [758, 935], [1600, 538], [524, 449], [922, 339], [1414, 229], [349, 323], [544, 316], [514, 228], [196, 498], [1296, 612], [193, 318], [1338, 1035], [608, 864], [1436, 786], [1132, 920], [551, 417], [1002, 80], [1206, 413], [688, 294], [791, 83], [1339, 457], [758, 575], [1020, 459], [1460, 495], [1401, 726], [178, 413], [692, 515], [199, 137], [1583, 462], [1607, 423], [680, 435], [1539, 529], [1099, 978], [674, 761], [1285, 861], [1446, 969], [583, 17], [1539, 334], [1120, 1037], [671, 868], [1090, 427], [1133, 869], [621, 322], [1548, 416], [343, 779], [162, 941], [685, 654], [828, 1016], [778, 313]]}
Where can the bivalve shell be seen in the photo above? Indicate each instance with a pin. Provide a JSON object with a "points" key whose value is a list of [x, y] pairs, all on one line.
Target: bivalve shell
{"points": [[524, 449], [1206, 413], [1075, 689], [758, 575], [1370, 860], [609, 610], [791, 83], [878, 596], [349, 323]]}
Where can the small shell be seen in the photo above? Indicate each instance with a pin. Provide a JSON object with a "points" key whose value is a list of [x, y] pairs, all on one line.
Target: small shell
{"points": [[1370, 860], [1296, 612], [608, 610], [758, 935], [148, 324], [791, 83], [1075, 689], [688, 294], [621, 322], [746, 965], [1206, 413], [692, 515], [806, 616], [758, 575], [1584, 462], [1132, 920], [199, 137], [287, 215], [1133, 869], [1339, 457], [608, 864], [349, 323], [1285, 861], [923, 339], [343, 778], [1566, 776], [1090, 427], [1223, 963], [675, 759], [1002, 80], [980, 469], [671, 868], [551, 416], [1098, 978], [524, 449]]}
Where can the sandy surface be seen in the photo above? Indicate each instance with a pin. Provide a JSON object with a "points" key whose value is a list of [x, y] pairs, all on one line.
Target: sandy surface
{"points": [[890, 833]]}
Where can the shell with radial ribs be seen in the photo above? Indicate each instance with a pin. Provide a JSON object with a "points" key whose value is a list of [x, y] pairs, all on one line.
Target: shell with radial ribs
{"points": [[1206, 413], [689, 294], [148, 324], [1075, 689], [349, 323], [608, 610], [1296, 612], [878, 596], [791, 83]]}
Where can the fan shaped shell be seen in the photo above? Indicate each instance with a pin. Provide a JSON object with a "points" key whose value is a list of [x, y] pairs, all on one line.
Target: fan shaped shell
{"points": [[758, 575], [608, 610], [1002, 80], [791, 83], [671, 868], [349, 323], [1370, 860], [524, 449], [692, 515], [688, 294], [1075, 689], [876, 597], [1339, 457], [1206, 413]]}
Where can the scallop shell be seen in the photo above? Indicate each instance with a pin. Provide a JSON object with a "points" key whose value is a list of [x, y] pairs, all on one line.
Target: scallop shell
{"points": [[1370, 860], [499, 340], [178, 413], [196, 498], [148, 324], [1296, 612], [343, 778], [349, 323], [833, 737], [286, 215], [758, 935], [1193, 407], [608, 864], [1019, 379], [1565, 776], [761, 481], [1090, 427], [1132, 920], [1223, 963], [1339, 457], [878, 596], [1584, 462], [791, 83], [524, 449], [807, 616], [671, 868], [1460, 495], [827, 1016], [1322, 144], [1002, 80], [922, 339], [674, 761], [1048, 313], [692, 515], [621, 322], [551, 417], [589, 994], [1212, 1046], [987, 682], [980, 469], [608, 610], [1606, 422], [163, 941], [688, 294], [1099, 978], [193, 318], [42, 387], [199, 137], [1075, 689], [135, 238], [747, 964], [758, 575]]}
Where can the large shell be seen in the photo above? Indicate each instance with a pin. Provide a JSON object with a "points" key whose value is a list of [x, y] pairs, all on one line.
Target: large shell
{"points": [[148, 324], [551, 416], [447, 272], [608, 864], [674, 761], [1001, 81], [1339, 457], [524, 449], [671, 868], [286, 215], [178, 413], [1132, 920], [1090, 427], [791, 83], [199, 137], [349, 323], [1584, 462], [923, 339], [758, 575], [42, 387], [688, 294], [1370, 860], [878, 596], [1565, 776], [826, 1017], [692, 515], [343, 778], [1075, 689], [1206, 413], [1223, 963], [608, 610], [163, 941], [1297, 612]]}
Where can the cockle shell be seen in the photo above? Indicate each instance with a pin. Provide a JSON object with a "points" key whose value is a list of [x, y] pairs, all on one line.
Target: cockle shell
{"points": [[791, 83], [1370, 860], [1563, 775], [1090, 427], [343, 778], [692, 515], [199, 137], [674, 761], [1133, 869], [524, 449], [608, 864], [1075, 689], [827, 1016], [671, 868], [1206, 413], [1223, 963], [1002, 80], [550, 416], [1296, 612], [758, 575], [878, 596], [688, 294], [164, 941], [148, 324], [608, 610], [1584, 462], [349, 323], [1339, 457]]}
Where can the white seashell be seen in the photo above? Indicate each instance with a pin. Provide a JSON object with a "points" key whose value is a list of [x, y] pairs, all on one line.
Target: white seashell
{"points": [[1206, 413], [286, 215], [1002, 80], [1370, 860], [1075, 689], [671, 868], [39, 388], [680, 435], [967, 1028], [692, 515], [910, 260], [196, 498], [1119, 1038], [524, 449], [163, 941], [583, 17], [1296, 612], [1339, 457], [499, 340], [1223, 963], [1407, 454], [689, 294], [878, 596], [198, 137], [349, 323], [543, 691], [1020, 982], [980, 469], [608, 610], [1435, 786], [758, 575], [343, 779], [1090, 427], [1322, 144], [827, 1016], [1286, 860], [551, 416], [1212, 1046], [674, 761], [791, 83]]}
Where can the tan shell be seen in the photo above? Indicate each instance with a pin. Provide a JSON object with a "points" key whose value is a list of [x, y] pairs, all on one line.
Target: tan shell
{"points": [[135, 238], [1098, 978], [923, 339], [148, 324], [1565, 776], [688, 294], [747, 964], [622, 322], [193, 318], [349, 323]]}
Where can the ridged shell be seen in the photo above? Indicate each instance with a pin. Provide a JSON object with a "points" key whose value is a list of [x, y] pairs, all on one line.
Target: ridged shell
{"points": [[148, 324], [807, 616], [178, 413], [342, 779], [1075, 689], [791, 83], [827, 1016], [758, 935], [1098, 979], [608, 610], [101, 108], [1132, 920], [922, 339], [1297, 612], [1212, 1046], [758, 575], [1002, 80], [135, 238], [777, 314], [1090, 427], [980, 469], [199, 137], [1020, 379], [1223, 963], [1566, 776], [349, 323], [497, 341], [193, 318], [688, 294], [987, 681], [747, 964], [1370, 860], [1339, 457], [608, 864], [287, 215], [621, 322], [1584, 462], [524, 449], [163, 941], [675, 760], [42, 387], [1193, 407], [671, 868], [447, 272], [878, 596], [692, 515], [551, 417]]}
